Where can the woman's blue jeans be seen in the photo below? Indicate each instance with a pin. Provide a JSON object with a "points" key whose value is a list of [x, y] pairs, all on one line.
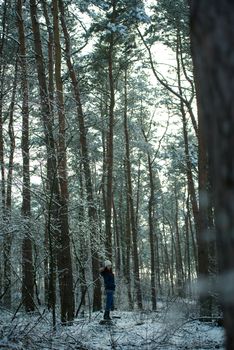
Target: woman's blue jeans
{"points": [[109, 300]]}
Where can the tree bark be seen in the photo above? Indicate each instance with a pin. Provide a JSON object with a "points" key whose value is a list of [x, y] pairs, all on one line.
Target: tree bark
{"points": [[151, 220], [117, 242], [53, 227], [7, 210], [50, 270], [151, 236], [212, 35], [203, 233], [131, 203], [51, 181], [2, 164], [187, 247], [64, 261], [27, 254], [92, 211], [169, 264], [2, 73], [128, 239], [178, 253], [200, 213], [109, 147]]}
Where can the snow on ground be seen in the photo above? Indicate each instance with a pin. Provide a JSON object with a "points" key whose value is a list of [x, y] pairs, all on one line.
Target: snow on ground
{"points": [[168, 329]]}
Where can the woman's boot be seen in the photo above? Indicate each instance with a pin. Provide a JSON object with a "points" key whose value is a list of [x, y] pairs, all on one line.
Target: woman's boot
{"points": [[107, 315]]}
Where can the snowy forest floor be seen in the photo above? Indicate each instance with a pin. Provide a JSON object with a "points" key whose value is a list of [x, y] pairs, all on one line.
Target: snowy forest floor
{"points": [[173, 326]]}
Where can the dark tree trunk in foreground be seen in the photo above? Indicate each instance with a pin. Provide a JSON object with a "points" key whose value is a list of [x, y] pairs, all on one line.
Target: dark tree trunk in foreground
{"points": [[202, 234], [212, 34], [200, 213]]}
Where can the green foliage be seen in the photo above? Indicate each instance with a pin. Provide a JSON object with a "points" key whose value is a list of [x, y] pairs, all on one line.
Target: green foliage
{"points": [[168, 18]]}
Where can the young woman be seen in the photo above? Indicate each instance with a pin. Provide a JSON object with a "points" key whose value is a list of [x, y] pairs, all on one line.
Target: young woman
{"points": [[109, 283]]}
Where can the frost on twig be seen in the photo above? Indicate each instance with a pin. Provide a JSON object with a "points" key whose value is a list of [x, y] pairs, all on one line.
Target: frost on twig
{"points": [[174, 325]]}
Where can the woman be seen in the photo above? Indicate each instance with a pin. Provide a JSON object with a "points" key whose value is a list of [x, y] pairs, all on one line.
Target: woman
{"points": [[109, 283]]}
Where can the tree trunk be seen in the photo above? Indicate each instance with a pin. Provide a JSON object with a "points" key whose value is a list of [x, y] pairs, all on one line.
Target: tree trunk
{"points": [[52, 184], [131, 203], [187, 247], [212, 35], [92, 211], [128, 239], [178, 254], [203, 233], [50, 270], [151, 220], [64, 261], [193, 236], [2, 165], [27, 258], [199, 213], [117, 242], [151, 236], [2, 72], [169, 264], [7, 210], [109, 148]]}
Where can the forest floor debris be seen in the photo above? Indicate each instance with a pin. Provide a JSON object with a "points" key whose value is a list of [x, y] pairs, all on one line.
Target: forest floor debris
{"points": [[168, 329]]}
